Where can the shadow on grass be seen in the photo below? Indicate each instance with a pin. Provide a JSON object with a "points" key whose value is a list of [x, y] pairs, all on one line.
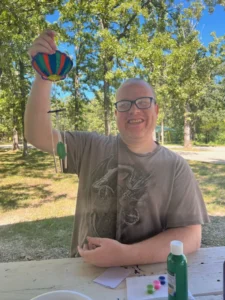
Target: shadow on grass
{"points": [[17, 195], [205, 168], [33, 165], [211, 179], [37, 240], [51, 238], [217, 161], [36, 164], [213, 233]]}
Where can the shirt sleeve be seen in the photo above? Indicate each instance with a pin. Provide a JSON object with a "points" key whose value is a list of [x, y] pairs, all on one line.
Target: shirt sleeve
{"points": [[186, 206]]}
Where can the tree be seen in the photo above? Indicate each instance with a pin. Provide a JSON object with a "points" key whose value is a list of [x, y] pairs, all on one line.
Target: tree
{"points": [[107, 24], [16, 35], [110, 41], [191, 66], [77, 31]]}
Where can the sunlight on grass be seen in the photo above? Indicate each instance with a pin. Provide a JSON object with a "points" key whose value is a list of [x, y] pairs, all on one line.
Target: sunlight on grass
{"points": [[44, 239], [37, 205], [31, 190], [211, 178]]}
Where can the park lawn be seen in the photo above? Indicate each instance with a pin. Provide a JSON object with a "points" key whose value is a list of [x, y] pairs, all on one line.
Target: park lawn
{"points": [[31, 190], [211, 178], [37, 205]]}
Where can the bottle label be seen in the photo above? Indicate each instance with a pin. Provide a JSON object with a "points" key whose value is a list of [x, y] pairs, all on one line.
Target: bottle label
{"points": [[171, 284]]}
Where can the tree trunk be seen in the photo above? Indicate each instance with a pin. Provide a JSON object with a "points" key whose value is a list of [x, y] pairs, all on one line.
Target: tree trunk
{"points": [[76, 100], [104, 25], [187, 127], [23, 103], [25, 147], [15, 139], [162, 133], [106, 103]]}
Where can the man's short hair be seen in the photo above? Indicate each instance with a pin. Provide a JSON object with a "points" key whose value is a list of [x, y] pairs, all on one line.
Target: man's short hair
{"points": [[136, 80]]}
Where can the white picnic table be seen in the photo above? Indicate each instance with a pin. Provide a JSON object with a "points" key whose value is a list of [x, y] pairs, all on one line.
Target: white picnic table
{"points": [[25, 280]]}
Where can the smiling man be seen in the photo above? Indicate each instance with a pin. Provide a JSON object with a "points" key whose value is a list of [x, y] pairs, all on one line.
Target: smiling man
{"points": [[136, 115], [134, 195]]}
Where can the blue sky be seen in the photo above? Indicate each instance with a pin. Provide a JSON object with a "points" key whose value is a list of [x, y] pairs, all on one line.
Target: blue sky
{"points": [[208, 23], [214, 22]]}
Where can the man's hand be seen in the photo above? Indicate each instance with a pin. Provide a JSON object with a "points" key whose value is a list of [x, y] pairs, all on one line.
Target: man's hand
{"points": [[103, 252], [44, 43]]}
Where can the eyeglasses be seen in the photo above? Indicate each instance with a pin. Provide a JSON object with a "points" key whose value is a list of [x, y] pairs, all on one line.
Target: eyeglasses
{"points": [[141, 103]]}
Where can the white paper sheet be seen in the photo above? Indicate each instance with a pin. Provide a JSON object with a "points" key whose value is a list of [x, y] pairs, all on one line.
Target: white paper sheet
{"points": [[112, 277]]}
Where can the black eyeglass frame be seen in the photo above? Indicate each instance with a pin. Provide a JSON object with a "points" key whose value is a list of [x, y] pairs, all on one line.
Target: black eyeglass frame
{"points": [[134, 102]]}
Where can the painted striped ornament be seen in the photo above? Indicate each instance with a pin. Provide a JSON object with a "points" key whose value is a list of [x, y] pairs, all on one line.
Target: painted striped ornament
{"points": [[52, 67]]}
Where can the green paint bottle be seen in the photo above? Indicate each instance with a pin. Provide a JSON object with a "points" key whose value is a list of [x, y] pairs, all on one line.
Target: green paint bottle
{"points": [[177, 272]]}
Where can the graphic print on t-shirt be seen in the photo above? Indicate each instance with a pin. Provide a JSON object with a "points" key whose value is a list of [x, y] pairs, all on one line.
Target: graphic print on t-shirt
{"points": [[119, 193]]}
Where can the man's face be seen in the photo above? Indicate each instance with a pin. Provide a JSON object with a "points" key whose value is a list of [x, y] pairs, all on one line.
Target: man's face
{"points": [[136, 124]]}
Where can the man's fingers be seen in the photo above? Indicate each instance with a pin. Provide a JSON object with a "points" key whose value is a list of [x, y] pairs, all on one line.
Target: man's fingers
{"points": [[85, 247], [44, 43], [91, 246], [41, 45], [49, 40], [50, 32], [80, 250], [39, 49], [87, 255], [94, 241]]}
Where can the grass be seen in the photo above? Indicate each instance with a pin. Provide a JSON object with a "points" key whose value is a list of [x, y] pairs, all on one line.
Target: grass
{"points": [[211, 178], [37, 205], [30, 187]]}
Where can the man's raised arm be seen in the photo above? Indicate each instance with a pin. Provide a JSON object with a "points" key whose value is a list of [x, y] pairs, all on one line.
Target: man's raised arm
{"points": [[37, 120]]}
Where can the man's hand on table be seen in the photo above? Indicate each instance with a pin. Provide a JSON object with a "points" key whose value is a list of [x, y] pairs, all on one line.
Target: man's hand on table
{"points": [[103, 252]]}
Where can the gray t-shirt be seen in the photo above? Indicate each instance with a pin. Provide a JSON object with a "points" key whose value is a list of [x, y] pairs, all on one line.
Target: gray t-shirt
{"points": [[127, 196]]}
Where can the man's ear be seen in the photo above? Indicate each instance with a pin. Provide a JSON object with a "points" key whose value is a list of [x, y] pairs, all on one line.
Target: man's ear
{"points": [[115, 113]]}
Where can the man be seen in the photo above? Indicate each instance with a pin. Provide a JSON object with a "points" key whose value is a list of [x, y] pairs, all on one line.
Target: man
{"points": [[134, 196]]}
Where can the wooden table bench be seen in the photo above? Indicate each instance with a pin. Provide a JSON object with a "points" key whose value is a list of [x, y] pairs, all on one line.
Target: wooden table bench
{"points": [[24, 280]]}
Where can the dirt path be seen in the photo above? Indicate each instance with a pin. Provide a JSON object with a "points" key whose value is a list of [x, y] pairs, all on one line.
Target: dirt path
{"points": [[204, 154]]}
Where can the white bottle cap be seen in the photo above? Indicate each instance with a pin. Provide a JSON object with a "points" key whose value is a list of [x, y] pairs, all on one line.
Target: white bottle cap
{"points": [[176, 247]]}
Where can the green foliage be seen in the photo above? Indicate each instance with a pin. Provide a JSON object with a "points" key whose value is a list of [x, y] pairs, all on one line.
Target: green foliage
{"points": [[94, 117], [111, 41], [20, 23]]}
